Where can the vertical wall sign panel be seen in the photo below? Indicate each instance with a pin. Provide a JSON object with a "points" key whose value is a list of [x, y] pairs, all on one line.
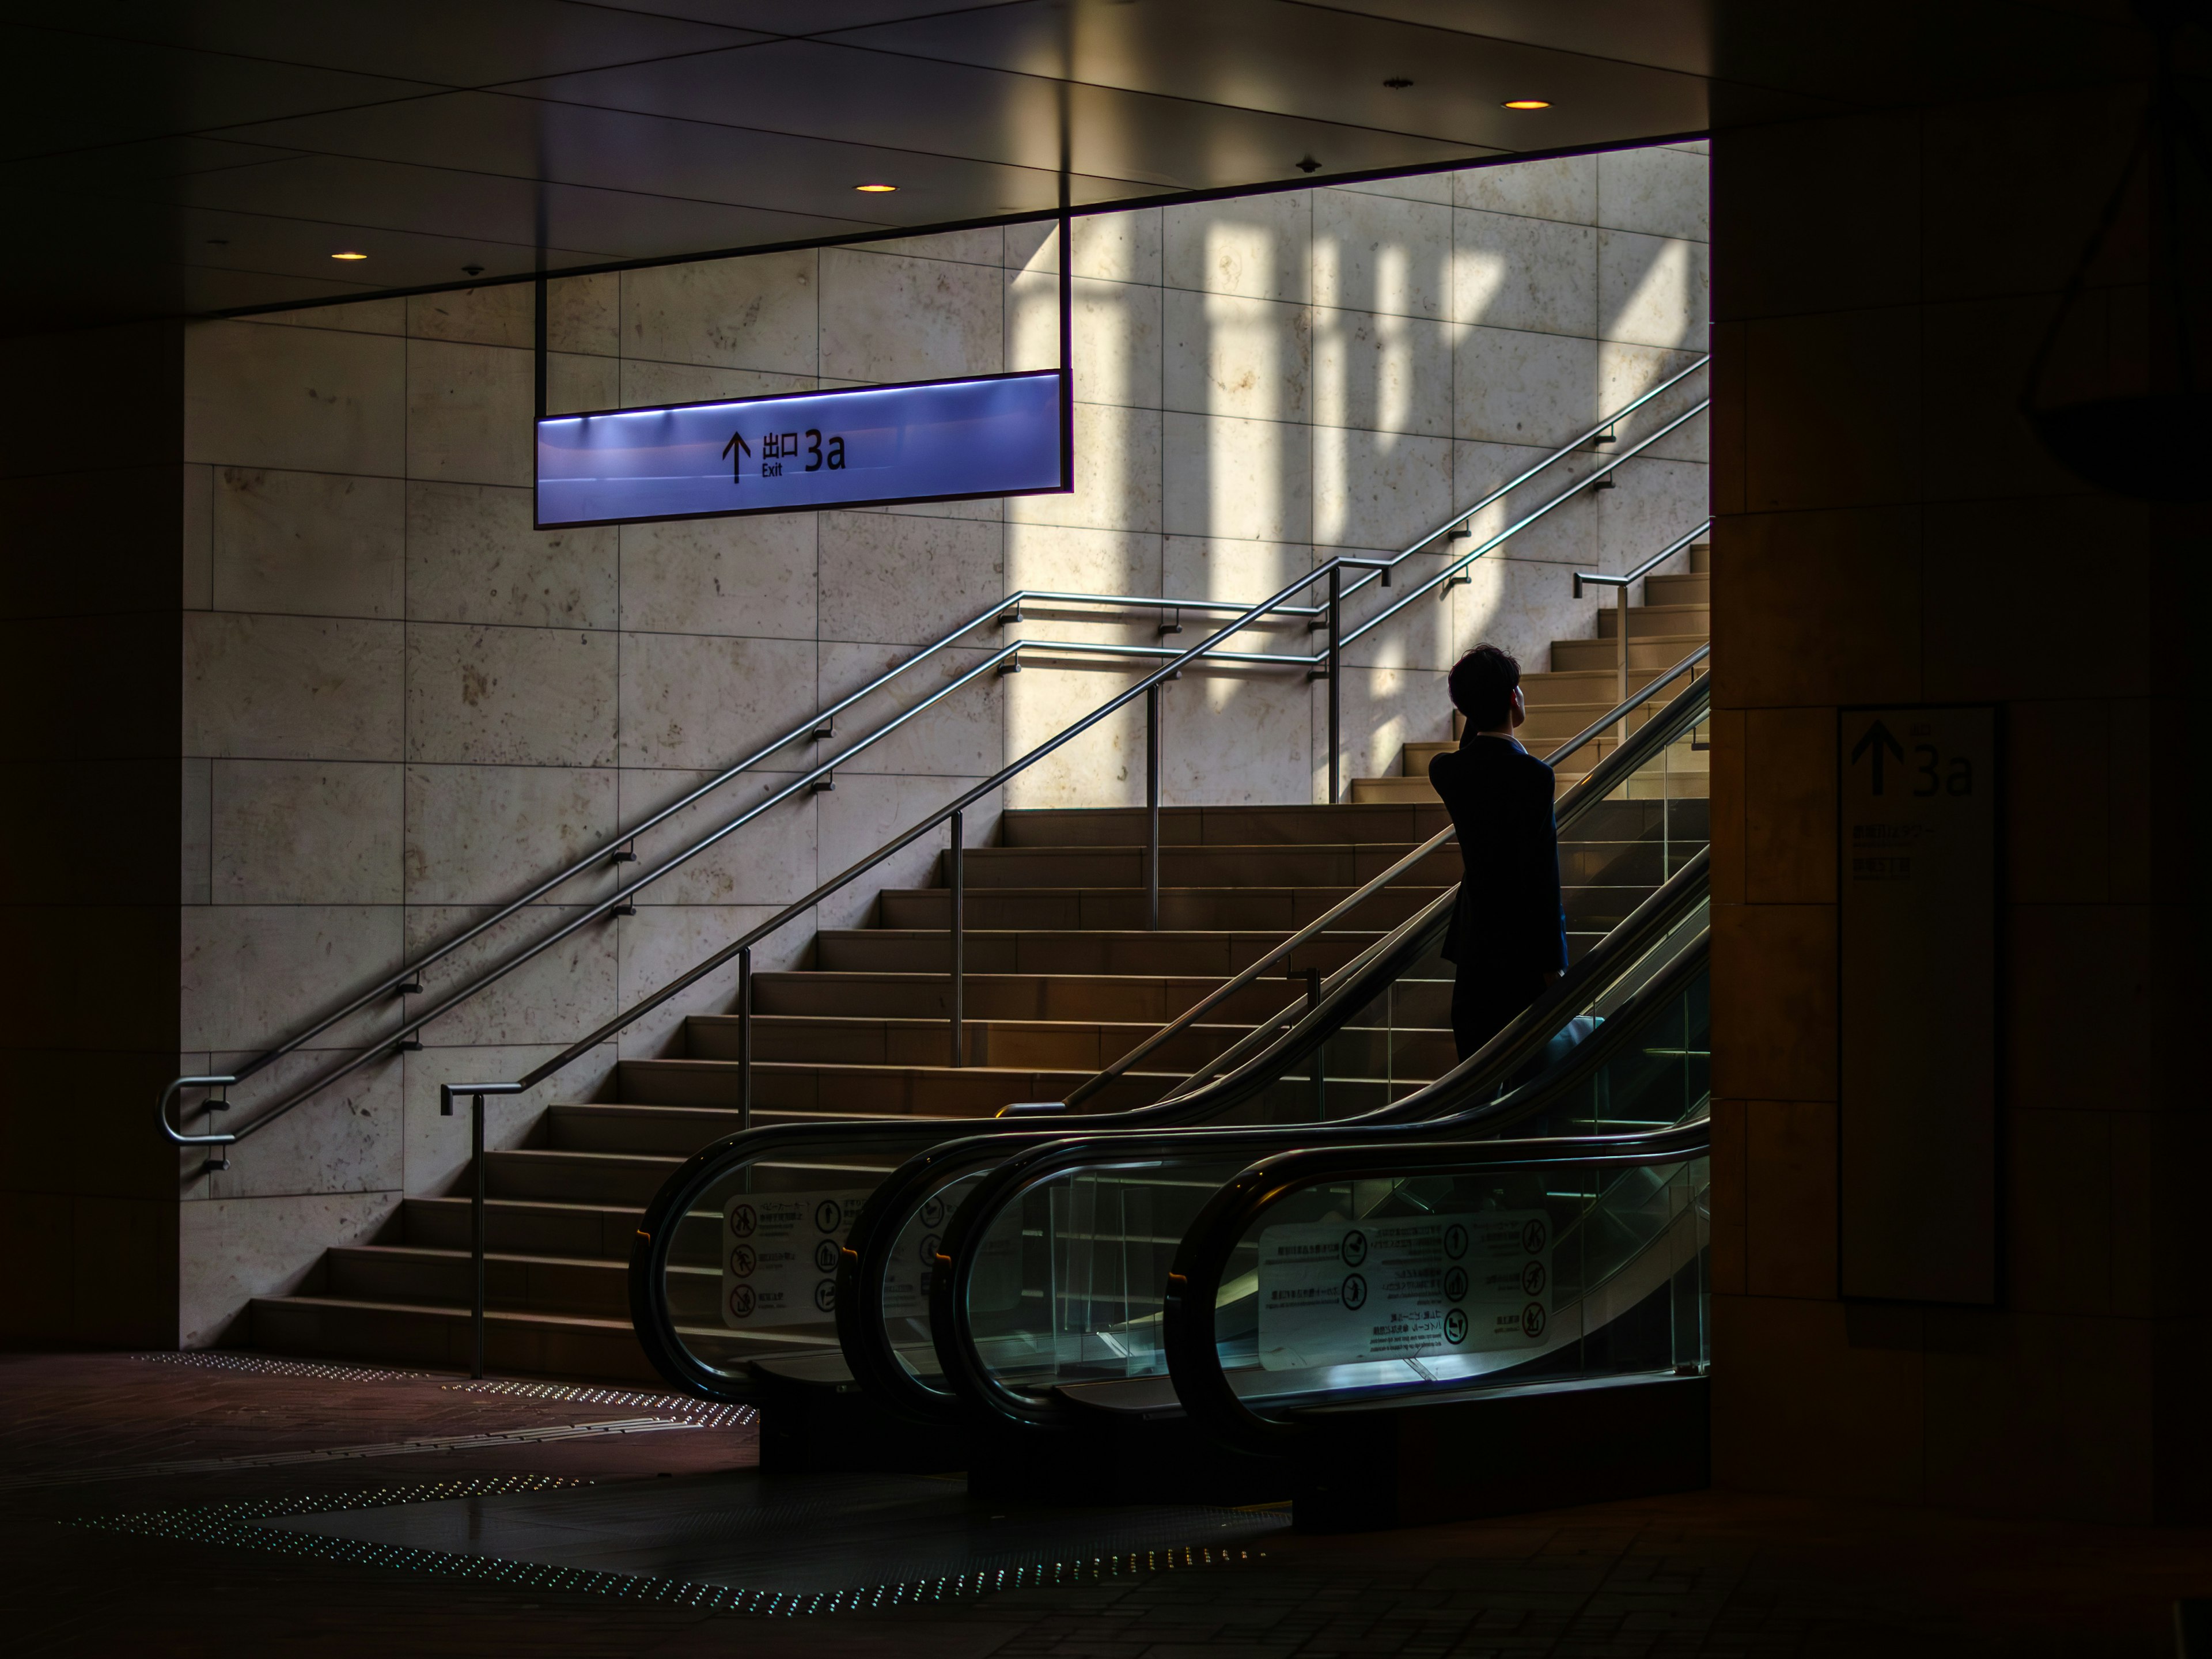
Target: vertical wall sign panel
{"points": [[1917, 1113], [1000, 434]]}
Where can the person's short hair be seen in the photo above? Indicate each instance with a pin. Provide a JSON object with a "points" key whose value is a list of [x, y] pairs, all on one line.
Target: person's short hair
{"points": [[1482, 685]]}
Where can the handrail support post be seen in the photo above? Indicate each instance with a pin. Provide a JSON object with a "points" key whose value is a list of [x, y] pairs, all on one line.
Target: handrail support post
{"points": [[1152, 809], [1620, 657], [1335, 676], [745, 1036], [957, 865], [476, 1235]]}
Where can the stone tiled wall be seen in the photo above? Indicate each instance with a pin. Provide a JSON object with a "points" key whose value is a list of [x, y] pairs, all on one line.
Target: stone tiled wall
{"points": [[402, 704], [1889, 531]]}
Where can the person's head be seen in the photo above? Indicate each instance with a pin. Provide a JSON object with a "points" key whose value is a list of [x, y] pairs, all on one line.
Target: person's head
{"points": [[1486, 687]]}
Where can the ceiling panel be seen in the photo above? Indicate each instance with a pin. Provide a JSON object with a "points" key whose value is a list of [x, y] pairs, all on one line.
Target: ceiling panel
{"points": [[165, 156]]}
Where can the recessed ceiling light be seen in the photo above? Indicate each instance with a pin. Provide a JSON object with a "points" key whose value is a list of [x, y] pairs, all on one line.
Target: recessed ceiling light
{"points": [[877, 190], [1397, 83], [349, 256], [1528, 103]]}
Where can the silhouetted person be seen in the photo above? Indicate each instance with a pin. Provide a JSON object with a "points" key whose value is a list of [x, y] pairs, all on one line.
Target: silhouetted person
{"points": [[1508, 935]]}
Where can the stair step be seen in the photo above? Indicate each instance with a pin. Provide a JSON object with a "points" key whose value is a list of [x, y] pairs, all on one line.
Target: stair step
{"points": [[1414, 788], [898, 1092], [1654, 653], [663, 1131], [1283, 909], [1647, 621], [545, 1343], [1221, 953], [1214, 826], [1053, 1045], [540, 1172], [1115, 998], [1259, 865], [1679, 587], [522, 1226], [405, 1273]]}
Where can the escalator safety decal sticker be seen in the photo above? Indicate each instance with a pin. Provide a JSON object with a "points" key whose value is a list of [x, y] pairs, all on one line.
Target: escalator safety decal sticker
{"points": [[1411, 1287], [780, 1256], [994, 1286]]}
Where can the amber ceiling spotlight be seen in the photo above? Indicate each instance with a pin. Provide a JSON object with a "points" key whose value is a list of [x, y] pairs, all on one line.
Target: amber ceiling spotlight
{"points": [[876, 190], [1528, 103], [349, 256]]}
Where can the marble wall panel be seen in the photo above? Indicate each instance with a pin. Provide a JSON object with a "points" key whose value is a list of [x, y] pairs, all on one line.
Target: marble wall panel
{"points": [[469, 413], [862, 816], [760, 312], [1258, 247], [1626, 372], [299, 399], [1113, 247], [484, 835], [435, 1149], [1227, 355], [1379, 490], [283, 687], [1225, 567], [694, 701], [473, 556], [1077, 560], [584, 314], [1411, 187], [1104, 767], [305, 832], [232, 1250], [1653, 290], [647, 385], [767, 860], [1116, 336], [253, 975], [1519, 606], [565, 991], [514, 696], [577, 383], [963, 736], [198, 583], [1658, 191], [1236, 737], [343, 1138], [1118, 482], [1653, 504], [752, 575], [1382, 373], [306, 543], [1225, 478], [1423, 634], [662, 942], [1563, 189], [887, 317], [1566, 534], [986, 245], [1534, 274], [868, 562], [195, 833], [1380, 255], [1515, 387], [347, 317], [1383, 710], [502, 315]]}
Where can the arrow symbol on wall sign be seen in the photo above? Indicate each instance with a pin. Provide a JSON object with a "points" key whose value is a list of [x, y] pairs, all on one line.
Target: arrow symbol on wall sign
{"points": [[1878, 737]]}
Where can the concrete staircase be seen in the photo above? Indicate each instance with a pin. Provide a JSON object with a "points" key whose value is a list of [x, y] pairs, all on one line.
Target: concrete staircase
{"points": [[1674, 620], [1061, 979]]}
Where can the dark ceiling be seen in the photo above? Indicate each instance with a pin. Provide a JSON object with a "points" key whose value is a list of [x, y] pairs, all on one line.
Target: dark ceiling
{"points": [[166, 158]]}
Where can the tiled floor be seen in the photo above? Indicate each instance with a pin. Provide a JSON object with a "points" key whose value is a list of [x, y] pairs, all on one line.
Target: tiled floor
{"points": [[483, 1541]]}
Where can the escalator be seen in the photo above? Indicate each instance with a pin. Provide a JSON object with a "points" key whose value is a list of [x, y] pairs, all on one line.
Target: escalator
{"points": [[1628, 834], [780, 1193], [1049, 1307]]}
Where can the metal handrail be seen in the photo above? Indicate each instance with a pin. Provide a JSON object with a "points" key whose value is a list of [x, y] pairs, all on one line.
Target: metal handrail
{"points": [[1343, 906], [1004, 611], [1599, 579]]}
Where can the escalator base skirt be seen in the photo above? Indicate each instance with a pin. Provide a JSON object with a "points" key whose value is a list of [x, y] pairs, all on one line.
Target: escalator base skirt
{"points": [[1412, 1465]]}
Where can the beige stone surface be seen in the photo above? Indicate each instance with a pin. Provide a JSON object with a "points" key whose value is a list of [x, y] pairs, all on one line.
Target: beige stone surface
{"points": [[868, 561], [1510, 272], [756, 314], [1228, 477], [434, 1149], [1227, 355], [1563, 189], [646, 384], [196, 832], [768, 859], [1517, 387], [1658, 191], [469, 412], [664, 941], [564, 992], [887, 317], [305, 832], [1653, 290], [751, 575], [1118, 468], [584, 314], [1257, 246], [1116, 334], [696, 700], [1382, 373], [484, 835], [307, 400], [343, 1137], [309, 543], [1376, 254], [962, 736], [1381, 491], [541, 697], [242, 1248], [253, 975], [502, 315], [472, 556], [292, 687]]}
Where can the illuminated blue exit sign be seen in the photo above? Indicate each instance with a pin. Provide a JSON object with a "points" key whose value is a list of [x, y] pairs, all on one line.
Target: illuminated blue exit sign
{"points": [[996, 435]]}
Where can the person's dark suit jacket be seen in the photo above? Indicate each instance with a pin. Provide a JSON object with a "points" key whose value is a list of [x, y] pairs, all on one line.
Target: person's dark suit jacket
{"points": [[1509, 924]]}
